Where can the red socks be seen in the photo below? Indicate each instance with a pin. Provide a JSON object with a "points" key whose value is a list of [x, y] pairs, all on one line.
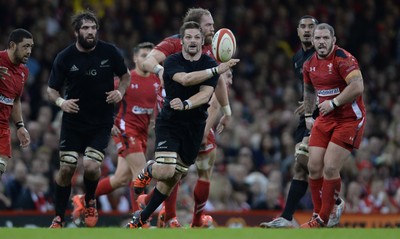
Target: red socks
{"points": [[316, 188], [134, 203], [170, 203], [104, 187], [330, 192], [201, 192]]}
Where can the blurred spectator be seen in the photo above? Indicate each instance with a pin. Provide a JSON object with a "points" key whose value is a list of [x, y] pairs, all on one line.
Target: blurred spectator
{"points": [[5, 201], [17, 183], [35, 196]]}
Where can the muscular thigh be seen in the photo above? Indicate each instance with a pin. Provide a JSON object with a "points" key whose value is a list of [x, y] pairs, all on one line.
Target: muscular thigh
{"points": [[321, 133]]}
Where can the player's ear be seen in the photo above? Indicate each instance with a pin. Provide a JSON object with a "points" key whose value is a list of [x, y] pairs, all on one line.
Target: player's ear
{"points": [[334, 40]]}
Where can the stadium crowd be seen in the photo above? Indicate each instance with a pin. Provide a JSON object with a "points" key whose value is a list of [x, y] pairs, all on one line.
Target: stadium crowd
{"points": [[256, 151]]}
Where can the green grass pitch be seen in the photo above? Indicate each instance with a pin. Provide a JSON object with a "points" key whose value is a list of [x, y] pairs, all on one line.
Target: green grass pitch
{"points": [[217, 233]]}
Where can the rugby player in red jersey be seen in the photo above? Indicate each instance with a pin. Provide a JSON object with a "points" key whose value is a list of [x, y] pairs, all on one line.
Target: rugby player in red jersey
{"points": [[13, 75], [333, 75]]}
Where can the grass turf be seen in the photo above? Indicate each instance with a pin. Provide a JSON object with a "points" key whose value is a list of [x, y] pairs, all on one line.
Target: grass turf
{"points": [[218, 233]]}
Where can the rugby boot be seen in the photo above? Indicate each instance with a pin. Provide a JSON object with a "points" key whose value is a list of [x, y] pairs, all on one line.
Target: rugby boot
{"points": [[316, 222], [143, 179], [78, 204], [91, 215], [336, 213], [136, 221], [57, 223], [278, 222]]}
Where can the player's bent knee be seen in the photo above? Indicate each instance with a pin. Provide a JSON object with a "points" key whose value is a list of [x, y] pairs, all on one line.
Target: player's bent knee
{"points": [[203, 163], [167, 162], [302, 149], [3, 164], [93, 154], [69, 158]]}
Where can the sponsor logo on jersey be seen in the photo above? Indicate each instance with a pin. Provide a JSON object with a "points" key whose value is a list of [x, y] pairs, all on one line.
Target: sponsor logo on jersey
{"points": [[329, 92], [74, 68], [91, 72], [140, 110], [5, 100]]}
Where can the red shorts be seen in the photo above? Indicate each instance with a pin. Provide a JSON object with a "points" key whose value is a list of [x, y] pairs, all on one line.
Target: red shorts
{"points": [[345, 134], [130, 142], [5, 142], [210, 145]]}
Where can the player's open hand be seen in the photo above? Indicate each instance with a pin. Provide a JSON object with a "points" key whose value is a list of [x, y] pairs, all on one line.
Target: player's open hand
{"points": [[114, 96], [223, 67], [223, 123], [115, 131], [23, 137], [300, 110], [70, 106]]}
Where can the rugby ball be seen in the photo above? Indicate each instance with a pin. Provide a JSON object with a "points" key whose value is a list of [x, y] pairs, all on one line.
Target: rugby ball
{"points": [[223, 45]]}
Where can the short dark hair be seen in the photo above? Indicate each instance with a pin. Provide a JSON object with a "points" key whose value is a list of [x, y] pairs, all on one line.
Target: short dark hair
{"points": [[188, 25], [143, 45], [77, 19], [18, 36], [195, 14], [327, 27], [308, 17]]}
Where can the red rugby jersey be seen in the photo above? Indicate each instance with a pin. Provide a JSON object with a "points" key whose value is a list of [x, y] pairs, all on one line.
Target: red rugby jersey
{"points": [[138, 102], [328, 78], [172, 45], [11, 87]]}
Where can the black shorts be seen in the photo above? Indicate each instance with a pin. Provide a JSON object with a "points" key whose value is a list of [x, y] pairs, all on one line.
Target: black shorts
{"points": [[78, 141], [184, 138], [301, 130]]}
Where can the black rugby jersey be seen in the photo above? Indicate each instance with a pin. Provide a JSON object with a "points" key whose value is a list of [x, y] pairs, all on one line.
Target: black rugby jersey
{"points": [[177, 63], [87, 76], [298, 60]]}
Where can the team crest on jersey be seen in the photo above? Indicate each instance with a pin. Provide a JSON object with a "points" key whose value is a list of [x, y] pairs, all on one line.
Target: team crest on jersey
{"points": [[156, 87], [330, 66], [104, 63]]}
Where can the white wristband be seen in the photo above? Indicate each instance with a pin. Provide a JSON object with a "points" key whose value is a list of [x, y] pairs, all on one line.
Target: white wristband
{"points": [[59, 101], [209, 72], [227, 110], [189, 104]]}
